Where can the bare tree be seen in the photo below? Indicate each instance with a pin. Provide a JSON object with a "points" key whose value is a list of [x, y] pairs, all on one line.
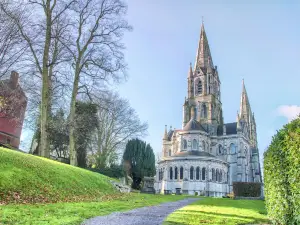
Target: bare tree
{"points": [[34, 21], [118, 122], [11, 44], [96, 49]]}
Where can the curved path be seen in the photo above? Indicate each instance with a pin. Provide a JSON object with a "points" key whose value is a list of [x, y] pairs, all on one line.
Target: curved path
{"points": [[152, 215]]}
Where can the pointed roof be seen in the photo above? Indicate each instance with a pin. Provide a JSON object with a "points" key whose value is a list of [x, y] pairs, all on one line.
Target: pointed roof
{"points": [[203, 58], [193, 125], [245, 109]]}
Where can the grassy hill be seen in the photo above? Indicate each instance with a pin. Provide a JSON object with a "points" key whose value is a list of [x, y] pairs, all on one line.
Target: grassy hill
{"points": [[26, 178]]}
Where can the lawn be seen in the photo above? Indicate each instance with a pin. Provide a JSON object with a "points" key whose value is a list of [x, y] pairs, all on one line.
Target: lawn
{"points": [[75, 213], [220, 211], [25, 178]]}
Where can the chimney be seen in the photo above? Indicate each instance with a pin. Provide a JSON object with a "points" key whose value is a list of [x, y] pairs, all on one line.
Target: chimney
{"points": [[14, 79]]}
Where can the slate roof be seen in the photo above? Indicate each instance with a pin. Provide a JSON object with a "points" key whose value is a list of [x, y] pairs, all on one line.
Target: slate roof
{"points": [[193, 125], [193, 153], [230, 129], [170, 133]]}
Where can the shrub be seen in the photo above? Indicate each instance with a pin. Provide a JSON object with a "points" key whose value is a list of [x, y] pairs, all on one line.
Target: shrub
{"points": [[113, 171], [281, 175], [246, 189]]}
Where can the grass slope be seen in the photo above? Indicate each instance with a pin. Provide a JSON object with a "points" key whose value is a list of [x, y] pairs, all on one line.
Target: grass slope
{"points": [[26, 178], [218, 211]]}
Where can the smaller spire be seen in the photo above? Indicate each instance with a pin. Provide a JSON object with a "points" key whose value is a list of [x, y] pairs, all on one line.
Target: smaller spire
{"points": [[237, 116], [190, 71], [245, 110], [166, 134], [170, 127], [239, 126]]}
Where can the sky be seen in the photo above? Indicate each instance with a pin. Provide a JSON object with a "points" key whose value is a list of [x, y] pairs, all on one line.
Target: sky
{"points": [[255, 42]]}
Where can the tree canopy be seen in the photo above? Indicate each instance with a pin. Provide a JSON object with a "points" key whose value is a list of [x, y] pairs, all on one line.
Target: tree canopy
{"points": [[138, 161]]}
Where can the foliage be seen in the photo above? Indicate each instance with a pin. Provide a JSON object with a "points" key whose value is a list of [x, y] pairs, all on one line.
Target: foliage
{"points": [[281, 175], [219, 211], [58, 134], [76, 213], [25, 178], [86, 122], [246, 189], [118, 122], [138, 161], [114, 171]]}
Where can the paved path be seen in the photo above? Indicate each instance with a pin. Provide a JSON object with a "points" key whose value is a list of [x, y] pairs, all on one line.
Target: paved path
{"points": [[153, 215]]}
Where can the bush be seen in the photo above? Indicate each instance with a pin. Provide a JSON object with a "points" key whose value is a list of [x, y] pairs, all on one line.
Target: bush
{"points": [[281, 175], [114, 171], [246, 189]]}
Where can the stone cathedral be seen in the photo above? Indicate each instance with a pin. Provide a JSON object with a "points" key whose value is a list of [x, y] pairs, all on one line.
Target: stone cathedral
{"points": [[207, 155]]}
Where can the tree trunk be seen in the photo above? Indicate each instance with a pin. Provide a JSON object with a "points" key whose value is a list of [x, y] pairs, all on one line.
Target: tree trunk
{"points": [[45, 151], [72, 139]]}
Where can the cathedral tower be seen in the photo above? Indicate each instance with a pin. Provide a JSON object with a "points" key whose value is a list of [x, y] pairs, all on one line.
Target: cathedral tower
{"points": [[204, 95]]}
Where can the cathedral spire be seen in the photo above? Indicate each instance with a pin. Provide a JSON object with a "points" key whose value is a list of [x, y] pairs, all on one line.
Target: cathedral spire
{"points": [[166, 133], [190, 75], [245, 109], [203, 58]]}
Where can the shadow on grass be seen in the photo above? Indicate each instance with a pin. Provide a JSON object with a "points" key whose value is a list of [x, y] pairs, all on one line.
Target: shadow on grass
{"points": [[230, 216], [213, 218]]}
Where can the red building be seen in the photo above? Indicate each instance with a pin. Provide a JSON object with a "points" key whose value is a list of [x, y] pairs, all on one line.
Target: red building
{"points": [[13, 104]]}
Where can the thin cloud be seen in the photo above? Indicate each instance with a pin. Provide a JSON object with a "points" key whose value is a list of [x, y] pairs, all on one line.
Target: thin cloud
{"points": [[289, 111]]}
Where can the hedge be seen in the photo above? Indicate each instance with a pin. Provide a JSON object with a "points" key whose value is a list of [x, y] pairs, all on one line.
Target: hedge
{"points": [[246, 189], [282, 175], [114, 171]]}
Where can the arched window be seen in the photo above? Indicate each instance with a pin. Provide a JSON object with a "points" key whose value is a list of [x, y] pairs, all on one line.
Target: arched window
{"points": [[176, 173], [220, 150], [171, 173], [170, 153], [181, 173], [199, 87], [195, 144], [217, 175], [204, 111], [192, 173], [232, 148], [184, 144], [159, 175], [220, 177], [203, 173], [203, 145], [213, 172], [198, 173]]}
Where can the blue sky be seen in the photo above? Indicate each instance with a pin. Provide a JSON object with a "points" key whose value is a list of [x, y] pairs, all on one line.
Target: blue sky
{"points": [[257, 42]]}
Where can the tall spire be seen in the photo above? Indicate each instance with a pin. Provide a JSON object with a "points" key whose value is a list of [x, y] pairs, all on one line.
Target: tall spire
{"points": [[245, 109], [203, 58]]}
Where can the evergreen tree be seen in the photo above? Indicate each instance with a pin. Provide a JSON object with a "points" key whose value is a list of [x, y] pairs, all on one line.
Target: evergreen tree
{"points": [[86, 122], [138, 161]]}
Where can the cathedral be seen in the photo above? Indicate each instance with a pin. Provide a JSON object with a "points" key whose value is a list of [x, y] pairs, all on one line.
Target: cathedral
{"points": [[207, 155]]}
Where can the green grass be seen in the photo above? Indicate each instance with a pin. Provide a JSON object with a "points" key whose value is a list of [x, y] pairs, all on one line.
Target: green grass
{"points": [[26, 178], [219, 211], [75, 213]]}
